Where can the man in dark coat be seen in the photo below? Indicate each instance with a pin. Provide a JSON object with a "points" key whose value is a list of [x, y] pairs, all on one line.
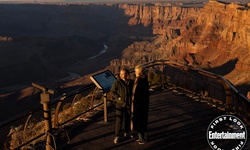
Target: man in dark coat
{"points": [[122, 92], [140, 104]]}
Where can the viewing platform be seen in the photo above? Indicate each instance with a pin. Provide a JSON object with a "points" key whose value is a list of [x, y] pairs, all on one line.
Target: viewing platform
{"points": [[176, 121], [180, 115]]}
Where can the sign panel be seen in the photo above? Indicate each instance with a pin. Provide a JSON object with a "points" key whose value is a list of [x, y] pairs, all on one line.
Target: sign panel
{"points": [[103, 80]]}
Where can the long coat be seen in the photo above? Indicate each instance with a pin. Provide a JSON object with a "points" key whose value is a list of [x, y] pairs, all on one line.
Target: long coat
{"points": [[140, 105]]}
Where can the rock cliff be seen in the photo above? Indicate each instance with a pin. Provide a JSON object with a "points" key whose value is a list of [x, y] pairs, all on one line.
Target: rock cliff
{"points": [[43, 43], [215, 37]]}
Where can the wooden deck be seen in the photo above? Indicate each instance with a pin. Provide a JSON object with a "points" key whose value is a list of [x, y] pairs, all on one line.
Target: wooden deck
{"points": [[175, 122]]}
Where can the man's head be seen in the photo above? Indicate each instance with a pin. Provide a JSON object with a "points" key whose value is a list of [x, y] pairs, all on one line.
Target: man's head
{"points": [[124, 73]]}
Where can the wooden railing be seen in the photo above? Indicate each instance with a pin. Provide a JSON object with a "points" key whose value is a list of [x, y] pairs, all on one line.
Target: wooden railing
{"points": [[211, 87], [17, 133]]}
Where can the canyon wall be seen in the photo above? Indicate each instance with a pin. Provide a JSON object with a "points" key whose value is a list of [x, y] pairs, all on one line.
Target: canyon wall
{"points": [[215, 37], [205, 35], [43, 43]]}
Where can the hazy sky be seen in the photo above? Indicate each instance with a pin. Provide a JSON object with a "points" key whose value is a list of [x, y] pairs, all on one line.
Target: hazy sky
{"points": [[112, 0], [106, 1]]}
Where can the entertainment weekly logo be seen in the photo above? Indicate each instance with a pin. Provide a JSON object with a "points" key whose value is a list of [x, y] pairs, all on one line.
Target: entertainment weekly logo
{"points": [[227, 132]]}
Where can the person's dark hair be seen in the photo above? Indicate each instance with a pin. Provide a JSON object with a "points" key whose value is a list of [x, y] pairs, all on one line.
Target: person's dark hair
{"points": [[125, 69]]}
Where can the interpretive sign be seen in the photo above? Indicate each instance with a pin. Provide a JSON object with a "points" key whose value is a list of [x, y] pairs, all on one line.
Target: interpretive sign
{"points": [[103, 80]]}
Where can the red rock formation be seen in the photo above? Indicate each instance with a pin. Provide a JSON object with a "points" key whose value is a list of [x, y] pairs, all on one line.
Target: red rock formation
{"points": [[209, 37], [213, 37]]}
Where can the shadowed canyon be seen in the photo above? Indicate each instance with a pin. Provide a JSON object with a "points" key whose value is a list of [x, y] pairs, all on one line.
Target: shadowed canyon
{"points": [[60, 45]]}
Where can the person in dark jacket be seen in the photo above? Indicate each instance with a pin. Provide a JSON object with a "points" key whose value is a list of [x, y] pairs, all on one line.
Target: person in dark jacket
{"points": [[122, 91], [140, 104]]}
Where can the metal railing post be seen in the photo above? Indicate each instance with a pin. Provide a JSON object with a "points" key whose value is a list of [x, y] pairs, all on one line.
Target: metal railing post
{"points": [[105, 107], [45, 99], [163, 76]]}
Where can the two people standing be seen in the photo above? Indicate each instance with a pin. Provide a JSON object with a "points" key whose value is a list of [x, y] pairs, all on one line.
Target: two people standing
{"points": [[132, 102]]}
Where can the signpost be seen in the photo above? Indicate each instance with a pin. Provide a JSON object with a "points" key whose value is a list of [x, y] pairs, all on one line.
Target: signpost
{"points": [[104, 81]]}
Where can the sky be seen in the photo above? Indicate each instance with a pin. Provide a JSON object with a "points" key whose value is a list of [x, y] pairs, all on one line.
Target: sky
{"points": [[106, 1], [110, 0]]}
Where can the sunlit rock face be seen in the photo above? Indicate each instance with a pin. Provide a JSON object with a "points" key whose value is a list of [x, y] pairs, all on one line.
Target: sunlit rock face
{"points": [[208, 36], [45, 43], [215, 37]]}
